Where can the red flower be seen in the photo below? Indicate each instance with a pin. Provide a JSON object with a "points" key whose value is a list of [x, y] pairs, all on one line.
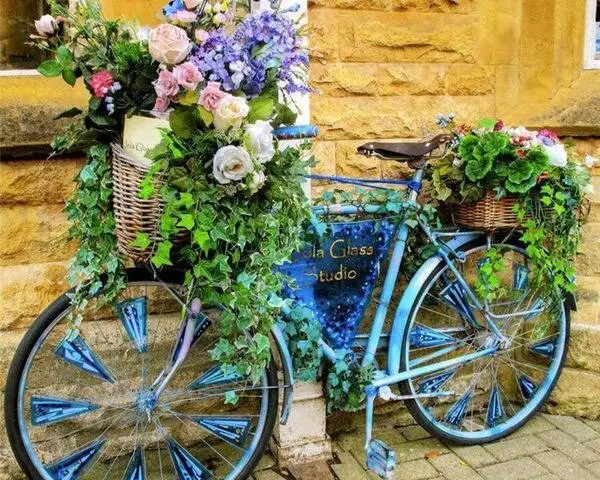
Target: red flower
{"points": [[101, 82], [499, 126]]}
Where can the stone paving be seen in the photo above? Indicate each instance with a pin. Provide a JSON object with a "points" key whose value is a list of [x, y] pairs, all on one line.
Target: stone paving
{"points": [[548, 447]]}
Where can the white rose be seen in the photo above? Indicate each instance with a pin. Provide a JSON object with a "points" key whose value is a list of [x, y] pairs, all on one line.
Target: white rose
{"points": [[257, 181], [169, 44], [230, 113], [46, 25], [260, 137], [590, 161], [557, 154], [231, 164]]}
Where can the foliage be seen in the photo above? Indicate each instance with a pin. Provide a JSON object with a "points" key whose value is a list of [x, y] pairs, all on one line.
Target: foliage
{"points": [[346, 383], [303, 334]]}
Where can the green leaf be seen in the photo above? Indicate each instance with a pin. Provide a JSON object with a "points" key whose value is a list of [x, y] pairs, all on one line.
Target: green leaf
{"points": [[162, 256], [284, 115], [231, 398], [205, 115], [188, 98], [183, 122], [50, 68], [70, 113], [466, 147], [202, 239], [486, 123], [476, 169], [69, 76], [187, 221], [519, 171], [261, 108], [64, 56], [142, 241]]}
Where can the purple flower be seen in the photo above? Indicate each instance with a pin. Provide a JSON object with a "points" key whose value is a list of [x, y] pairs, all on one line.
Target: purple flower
{"points": [[173, 7]]}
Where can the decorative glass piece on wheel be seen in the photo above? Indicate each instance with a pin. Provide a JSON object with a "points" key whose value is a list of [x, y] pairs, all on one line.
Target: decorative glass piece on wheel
{"points": [[335, 276], [215, 375], [133, 314], [231, 429], [495, 411], [74, 350], [433, 383], [424, 337], [46, 410], [186, 466], [73, 466], [456, 297], [137, 466]]}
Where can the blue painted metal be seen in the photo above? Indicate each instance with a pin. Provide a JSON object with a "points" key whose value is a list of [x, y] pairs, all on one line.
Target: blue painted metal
{"points": [[381, 459], [74, 465], [296, 132], [495, 411], [411, 292], [422, 336], [544, 347], [527, 387], [536, 309], [202, 324], [47, 410], [134, 316], [137, 466], [520, 278], [346, 209], [232, 429], [187, 467], [433, 383], [457, 412], [215, 375], [335, 277], [74, 349], [455, 296], [288, 371], [368, 182]]}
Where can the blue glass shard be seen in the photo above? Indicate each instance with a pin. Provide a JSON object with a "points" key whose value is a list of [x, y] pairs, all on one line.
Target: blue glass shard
{"points": [[137, 466], [231, 429], [73, 466], [545, 347], [214, 376], [433, 383], [47, 410], [527, 387], [76, 351], [495, 411], [425, 337], [457, 412], [520, 274], [186, 466], [455, 296], [537, 308], [134, 316]]}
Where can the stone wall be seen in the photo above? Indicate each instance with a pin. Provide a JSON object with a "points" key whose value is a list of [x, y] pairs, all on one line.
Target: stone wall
{"points": [[383, 68]]}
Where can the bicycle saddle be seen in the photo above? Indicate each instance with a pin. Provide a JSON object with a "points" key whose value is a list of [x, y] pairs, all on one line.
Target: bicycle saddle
{"points": [[403, 151]]}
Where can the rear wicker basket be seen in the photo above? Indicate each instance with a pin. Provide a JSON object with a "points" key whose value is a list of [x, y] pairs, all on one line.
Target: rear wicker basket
{"points": [[489, 213], [134, 215]]}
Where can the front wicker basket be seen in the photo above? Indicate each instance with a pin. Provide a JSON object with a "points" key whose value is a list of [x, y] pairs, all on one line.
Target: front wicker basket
{"points": [[489, 213], [134, 215]]}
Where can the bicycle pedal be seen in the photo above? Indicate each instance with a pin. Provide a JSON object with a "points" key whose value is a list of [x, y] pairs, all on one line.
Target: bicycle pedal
{"points": [[381, 459]]}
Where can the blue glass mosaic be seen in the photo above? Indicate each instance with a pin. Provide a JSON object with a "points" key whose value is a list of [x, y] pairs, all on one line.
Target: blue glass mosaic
{"points": [[73, 466], [335, 276], [47, 410]]}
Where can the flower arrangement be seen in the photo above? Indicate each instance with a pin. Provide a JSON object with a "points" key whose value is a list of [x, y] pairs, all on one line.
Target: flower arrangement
{"points": [[224, 82], [548, 183]]}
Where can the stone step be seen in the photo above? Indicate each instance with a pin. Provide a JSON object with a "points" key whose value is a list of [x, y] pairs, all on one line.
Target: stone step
{"points": [[584, 348]]}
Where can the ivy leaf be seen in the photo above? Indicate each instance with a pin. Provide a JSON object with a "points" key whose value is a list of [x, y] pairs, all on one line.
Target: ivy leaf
{"points": [[187, 221], [245, 279], [142, 241], [231, 398], [519, 171], [50, 68], [476, 168], [162, 256]]}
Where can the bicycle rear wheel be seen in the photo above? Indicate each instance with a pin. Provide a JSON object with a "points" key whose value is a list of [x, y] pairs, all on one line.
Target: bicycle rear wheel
{"points": [[490, 397], [77, 403]]}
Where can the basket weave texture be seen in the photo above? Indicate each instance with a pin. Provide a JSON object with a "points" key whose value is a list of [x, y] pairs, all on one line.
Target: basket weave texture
{"points": [[488, 213], [134, 215]]}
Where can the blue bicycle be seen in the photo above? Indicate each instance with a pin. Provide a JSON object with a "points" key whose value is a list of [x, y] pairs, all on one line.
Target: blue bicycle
{"points": [[133, 393]]}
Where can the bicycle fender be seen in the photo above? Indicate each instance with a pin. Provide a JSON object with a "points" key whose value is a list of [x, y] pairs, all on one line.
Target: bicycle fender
{"points": [[288, 372], [410, 295]]}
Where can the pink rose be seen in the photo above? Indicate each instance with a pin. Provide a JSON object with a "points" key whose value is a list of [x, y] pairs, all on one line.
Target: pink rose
{"points": [[184, 16], [161, 104], [166, 85], [201, 35], [211, 96], [188, 75], [101, 83], [169, 44], [191, 4], [46, 25]]}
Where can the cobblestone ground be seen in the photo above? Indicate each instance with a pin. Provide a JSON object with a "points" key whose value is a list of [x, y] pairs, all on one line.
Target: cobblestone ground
{"points": [[548, 447]]}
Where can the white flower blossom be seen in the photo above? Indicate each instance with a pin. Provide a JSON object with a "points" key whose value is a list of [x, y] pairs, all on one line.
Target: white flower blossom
{"points": [[230, 113], [557, 154], [231, 164], [590, 161], [261, 140]]}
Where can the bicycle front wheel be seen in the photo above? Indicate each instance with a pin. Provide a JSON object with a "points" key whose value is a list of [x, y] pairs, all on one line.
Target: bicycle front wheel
{"points": [[78, 403], [487, 398]]}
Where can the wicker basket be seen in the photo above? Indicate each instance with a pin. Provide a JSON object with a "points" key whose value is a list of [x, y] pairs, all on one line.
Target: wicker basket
{"points": [[132, 214], [489, 213]]}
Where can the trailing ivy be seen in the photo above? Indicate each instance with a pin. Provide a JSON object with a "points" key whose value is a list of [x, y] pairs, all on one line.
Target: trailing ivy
{"points": [[303, 334], [346, 383]]}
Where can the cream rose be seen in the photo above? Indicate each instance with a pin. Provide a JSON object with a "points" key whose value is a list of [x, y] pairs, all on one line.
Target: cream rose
{"points": [[230, 113], [557, 155], [257, 181], [231, 164], [169, 44], [260, 138]]}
